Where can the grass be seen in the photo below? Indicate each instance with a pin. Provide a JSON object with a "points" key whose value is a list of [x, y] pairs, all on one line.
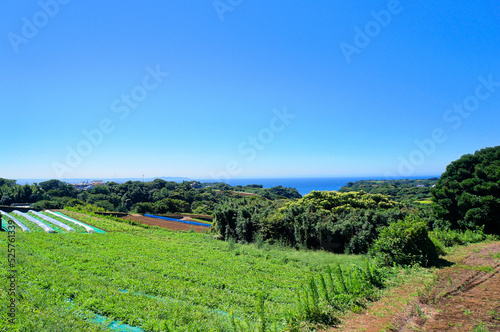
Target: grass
{"points": [[481, 327], [424, 201], [449, 238], [480, 268], [158, 280]]}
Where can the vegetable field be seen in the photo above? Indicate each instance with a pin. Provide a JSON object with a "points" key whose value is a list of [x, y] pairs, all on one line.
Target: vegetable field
{"points": [[155, 280]]}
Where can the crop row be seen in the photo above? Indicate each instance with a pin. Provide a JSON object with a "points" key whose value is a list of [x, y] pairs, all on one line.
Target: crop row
{"points": [[106, 223], [159, 280]]}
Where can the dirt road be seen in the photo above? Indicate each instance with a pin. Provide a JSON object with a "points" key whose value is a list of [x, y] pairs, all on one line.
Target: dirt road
{"points": [[463, 297]]}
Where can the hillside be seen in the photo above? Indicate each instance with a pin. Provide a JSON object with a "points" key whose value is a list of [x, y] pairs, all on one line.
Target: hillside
{"points": [[399, 190], [154, 279]]}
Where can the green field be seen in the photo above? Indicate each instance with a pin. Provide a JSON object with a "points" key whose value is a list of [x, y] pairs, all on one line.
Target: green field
{"points": [[154, 279]]}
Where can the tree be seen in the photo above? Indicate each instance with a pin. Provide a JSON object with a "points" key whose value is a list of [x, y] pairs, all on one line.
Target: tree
{"points": [[52, 185], [8, 183], [468, 192]]}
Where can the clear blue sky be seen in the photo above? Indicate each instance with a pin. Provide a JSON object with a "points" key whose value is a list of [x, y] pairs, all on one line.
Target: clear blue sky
{"points": [[355, 85]]}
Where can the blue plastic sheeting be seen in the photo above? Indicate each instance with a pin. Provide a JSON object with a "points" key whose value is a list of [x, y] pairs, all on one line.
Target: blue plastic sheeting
{"points": [[114, 325], [178, 220], [4, 227]]}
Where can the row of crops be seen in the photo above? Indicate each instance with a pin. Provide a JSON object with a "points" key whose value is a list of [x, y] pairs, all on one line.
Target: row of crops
{"points": [[47, 221], [137, 278]]}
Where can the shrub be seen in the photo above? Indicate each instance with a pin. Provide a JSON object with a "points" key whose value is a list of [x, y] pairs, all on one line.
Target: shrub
{"points": [[405, 242]]}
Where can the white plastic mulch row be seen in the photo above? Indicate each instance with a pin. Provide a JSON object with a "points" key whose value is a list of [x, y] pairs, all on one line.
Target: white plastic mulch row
{"points": [[34, 220], [20, 224], [87, 228], [53, 221]]}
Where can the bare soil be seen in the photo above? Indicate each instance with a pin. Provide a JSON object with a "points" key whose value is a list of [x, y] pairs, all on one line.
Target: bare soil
{"points": [[173, 225], [464, 297]]}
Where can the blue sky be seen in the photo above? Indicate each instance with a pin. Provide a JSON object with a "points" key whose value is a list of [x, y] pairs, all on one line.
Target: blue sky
{"points": [[238, 88]]}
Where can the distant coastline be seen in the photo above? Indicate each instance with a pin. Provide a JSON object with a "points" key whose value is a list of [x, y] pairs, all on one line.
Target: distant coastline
{"points": [[303, 185]]}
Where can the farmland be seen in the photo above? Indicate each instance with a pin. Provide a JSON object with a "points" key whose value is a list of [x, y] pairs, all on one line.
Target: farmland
{"points": [[155, 279]]}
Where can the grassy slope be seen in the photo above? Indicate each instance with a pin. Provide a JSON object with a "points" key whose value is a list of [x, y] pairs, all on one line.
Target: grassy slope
{"points": [[179, 281]]}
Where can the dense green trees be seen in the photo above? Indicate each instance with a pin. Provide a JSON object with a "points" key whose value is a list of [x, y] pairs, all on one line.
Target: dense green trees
{"points": [[341, 222], [399, 190], [468, 192], [157, 196]]}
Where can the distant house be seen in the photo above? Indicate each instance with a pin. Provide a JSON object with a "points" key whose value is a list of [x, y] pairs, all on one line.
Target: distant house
{"points": [[420, 186], [196, 185], [98, 183], [83, 186]]}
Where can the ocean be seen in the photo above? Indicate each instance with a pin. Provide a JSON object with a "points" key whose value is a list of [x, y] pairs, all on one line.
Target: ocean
{"points": [[305, 185]]}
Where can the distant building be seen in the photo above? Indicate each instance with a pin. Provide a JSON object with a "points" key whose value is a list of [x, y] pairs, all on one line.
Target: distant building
{"points": [[196, 185], [83, 186], [98, 183], [21, 205], [420, 186]]}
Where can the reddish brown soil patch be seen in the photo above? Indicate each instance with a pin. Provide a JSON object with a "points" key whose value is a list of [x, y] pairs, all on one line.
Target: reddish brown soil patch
{"points": [[465, 297], [174, 225], [468, 294]]}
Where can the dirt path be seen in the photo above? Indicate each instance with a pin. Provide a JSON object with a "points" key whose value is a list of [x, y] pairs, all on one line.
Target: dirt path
{"points": [[464, 297]]}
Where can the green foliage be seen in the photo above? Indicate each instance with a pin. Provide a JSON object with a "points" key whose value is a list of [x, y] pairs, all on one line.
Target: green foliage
{"points": [[333, 201], [468, 192], [333, 221], [273, 193], [239, 219], [358, 229], [338, 290], [449, 238], [171, 205], [403, 243], [7, 182], [157, 280], [398, 190]]}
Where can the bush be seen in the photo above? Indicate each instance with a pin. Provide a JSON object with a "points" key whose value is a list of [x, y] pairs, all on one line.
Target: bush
{"points": [[405, 242]]}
